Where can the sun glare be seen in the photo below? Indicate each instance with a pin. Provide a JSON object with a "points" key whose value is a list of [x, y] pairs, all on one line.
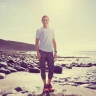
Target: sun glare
{"points": [[59, 5]]}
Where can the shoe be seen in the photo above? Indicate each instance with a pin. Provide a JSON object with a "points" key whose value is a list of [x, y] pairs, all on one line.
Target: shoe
{"points": [[46, 89], [50, 88]]}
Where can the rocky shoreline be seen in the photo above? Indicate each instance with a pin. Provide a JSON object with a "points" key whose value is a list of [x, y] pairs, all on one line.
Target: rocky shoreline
{"points": [[14, 63]]}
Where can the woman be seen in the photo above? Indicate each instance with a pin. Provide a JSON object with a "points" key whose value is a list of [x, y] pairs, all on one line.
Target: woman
{"points": [[45, 43]]}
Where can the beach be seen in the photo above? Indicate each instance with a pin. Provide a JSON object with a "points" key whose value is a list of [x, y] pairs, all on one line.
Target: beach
{"points": [[75, 79], [32, 84]]}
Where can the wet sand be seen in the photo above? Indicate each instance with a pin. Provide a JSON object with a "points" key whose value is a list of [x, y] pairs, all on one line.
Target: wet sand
{"points": [[33, 83]]}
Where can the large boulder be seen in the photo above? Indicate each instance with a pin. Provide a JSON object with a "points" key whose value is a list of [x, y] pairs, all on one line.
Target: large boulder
{"points": [[58, 69], [34, 70]]}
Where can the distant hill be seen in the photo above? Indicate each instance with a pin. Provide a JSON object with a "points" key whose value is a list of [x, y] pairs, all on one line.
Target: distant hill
{"points": [[16, 46]]}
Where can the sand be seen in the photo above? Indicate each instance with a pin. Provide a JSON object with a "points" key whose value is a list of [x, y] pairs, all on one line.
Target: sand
{"points": [[33, 83]]}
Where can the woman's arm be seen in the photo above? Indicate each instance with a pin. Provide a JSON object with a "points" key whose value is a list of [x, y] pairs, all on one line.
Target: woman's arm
{"points": [[37, 44], [55, 48], [37, 48], [54, 44]]}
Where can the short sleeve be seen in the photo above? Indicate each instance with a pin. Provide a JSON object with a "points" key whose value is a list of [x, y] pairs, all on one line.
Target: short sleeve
{"points": [[37, 34], [53, 35]]}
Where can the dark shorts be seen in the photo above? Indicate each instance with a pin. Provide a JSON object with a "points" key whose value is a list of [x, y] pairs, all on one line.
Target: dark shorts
{"points": [[46, 57]]}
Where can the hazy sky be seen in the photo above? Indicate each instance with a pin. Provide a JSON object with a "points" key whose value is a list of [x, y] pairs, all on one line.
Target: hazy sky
{"points": [[74, 21]]}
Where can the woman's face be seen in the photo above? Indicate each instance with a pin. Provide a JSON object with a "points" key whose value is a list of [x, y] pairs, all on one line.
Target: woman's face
{"points": [[45, 21]]}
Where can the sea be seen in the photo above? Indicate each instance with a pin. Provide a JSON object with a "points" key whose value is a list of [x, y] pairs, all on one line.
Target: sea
{"points": [[87, 56]]}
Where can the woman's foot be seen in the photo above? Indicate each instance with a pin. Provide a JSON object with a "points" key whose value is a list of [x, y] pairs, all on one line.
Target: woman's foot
{"points": [[51, 89], [46, 89]]}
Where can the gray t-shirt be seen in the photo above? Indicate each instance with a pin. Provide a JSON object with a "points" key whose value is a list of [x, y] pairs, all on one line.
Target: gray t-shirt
{"points": [[45, 36]]}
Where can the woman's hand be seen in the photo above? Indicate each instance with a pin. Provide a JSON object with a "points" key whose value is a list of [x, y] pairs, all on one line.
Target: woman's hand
{"points": [[55, 55], [38, 56]]}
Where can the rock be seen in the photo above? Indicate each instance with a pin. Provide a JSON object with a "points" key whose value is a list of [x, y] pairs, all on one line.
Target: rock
{"points": [[37, 62], [90, 64], [10, 61], [11, 69], [34, 70], [31, 66], [69, 66], [63, 65], [92, 77], [94, 64], [11, 65], [91, 86], [3, 64], [0, 60], [74, 84], [22, 90], [60, 81], [25, 91], [83, 65], [93, 82], [2, 75], [78, 65], [6, 71], [23, 64], [58, 69], [38, 67], [18, 68], [86, 65], [34, 64], [74, 64], [64, 79], [81, 82], [18, 89], [55, 80]]}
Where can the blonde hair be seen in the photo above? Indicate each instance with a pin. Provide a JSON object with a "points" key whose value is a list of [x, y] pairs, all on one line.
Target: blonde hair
{"points": [[45, 16]]}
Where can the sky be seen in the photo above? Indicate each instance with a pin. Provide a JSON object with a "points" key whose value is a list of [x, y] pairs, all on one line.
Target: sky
{"points": [[73, 21]]}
